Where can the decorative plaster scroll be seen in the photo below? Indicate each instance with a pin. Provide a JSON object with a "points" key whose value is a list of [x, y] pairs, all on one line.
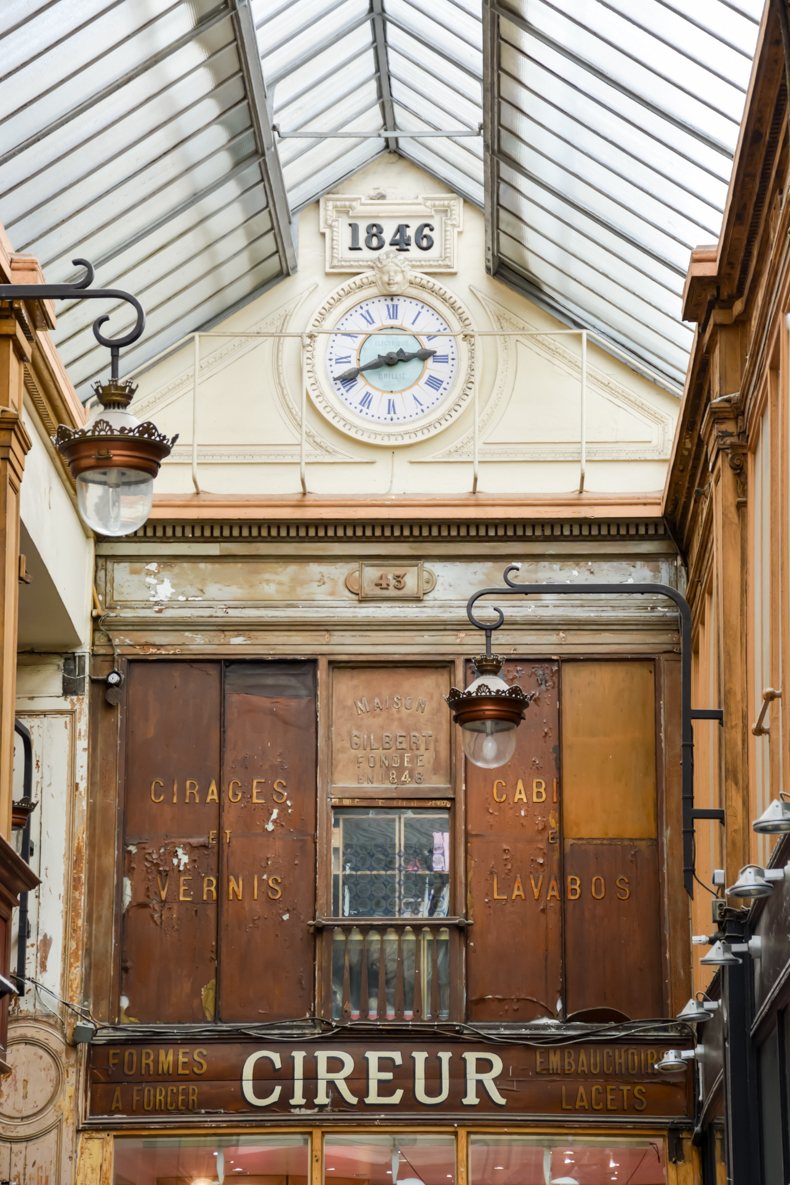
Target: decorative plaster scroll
{"points": [[443, 212], [220, 354], [553, 349]]}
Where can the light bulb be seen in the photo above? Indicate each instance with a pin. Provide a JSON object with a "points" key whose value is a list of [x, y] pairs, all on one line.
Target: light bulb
{"points": [[489, 743], [114, 501]]}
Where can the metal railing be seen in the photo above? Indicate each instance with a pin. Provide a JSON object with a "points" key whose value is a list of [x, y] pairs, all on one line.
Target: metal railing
{"points": [[404, 970]]}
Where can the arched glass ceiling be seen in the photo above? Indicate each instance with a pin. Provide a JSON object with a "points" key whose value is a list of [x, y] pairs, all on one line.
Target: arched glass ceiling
{"points": [[169, 140]]}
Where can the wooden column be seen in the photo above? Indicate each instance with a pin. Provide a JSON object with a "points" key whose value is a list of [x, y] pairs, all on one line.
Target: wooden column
{"points": [[724, 438], [15, 350]]}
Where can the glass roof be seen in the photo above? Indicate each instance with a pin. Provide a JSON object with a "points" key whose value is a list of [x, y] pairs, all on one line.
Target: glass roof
{"points": [[169, 142]]}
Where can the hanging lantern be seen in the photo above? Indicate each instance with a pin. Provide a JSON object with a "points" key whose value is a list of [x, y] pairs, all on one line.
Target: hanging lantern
{"points": [[489, 711], [114, 460]]}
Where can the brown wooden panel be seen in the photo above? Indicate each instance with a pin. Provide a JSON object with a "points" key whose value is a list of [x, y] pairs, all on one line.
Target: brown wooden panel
{"points": [[173, 789], [609, 750], [390, 729], [514, 949], [267, 842], [169, 932], [613, 954]]}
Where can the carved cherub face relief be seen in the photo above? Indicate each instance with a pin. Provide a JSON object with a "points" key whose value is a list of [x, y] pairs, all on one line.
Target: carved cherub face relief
{"points": [[392, 273]]}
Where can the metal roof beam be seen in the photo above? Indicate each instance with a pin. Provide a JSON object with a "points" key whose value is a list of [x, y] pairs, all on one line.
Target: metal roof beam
{"points": [[271, 167], [378, 22], [491, 66]]}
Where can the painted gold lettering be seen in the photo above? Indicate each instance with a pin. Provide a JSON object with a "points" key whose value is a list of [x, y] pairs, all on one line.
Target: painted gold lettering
{"points": [[573, 889], [497, 896], [275, 891], [518, 890], [199, 1061], [247, 1084], [191, 788], [279, 790], [623, 886], [640, 1098], [420, 1057], [165, 1066], [485, 1078], [212, 794], [298, 1099], [116, 1104], [234, 790], [324, 1076], [498, 784], [598, 888], [209, 888], [158, 797], [377, 1075], [235, 888], [184, 892], [536, 886], [162, 882], [538, 790], [258, 795], [146, 1061], [520, 794]]}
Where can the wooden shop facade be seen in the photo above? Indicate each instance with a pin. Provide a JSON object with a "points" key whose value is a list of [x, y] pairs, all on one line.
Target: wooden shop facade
{"points": [[322, 945]]}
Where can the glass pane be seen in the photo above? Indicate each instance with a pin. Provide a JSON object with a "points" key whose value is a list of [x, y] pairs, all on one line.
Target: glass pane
{"points": [[206, 1159], [402, 1159], [390, 862], [536, 1160]]}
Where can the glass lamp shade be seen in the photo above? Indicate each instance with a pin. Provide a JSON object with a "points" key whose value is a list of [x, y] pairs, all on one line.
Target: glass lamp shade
{"points": [[489, 743], [114, 501]]}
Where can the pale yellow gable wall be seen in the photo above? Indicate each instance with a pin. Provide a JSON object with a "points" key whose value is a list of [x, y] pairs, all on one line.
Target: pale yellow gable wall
{"points": [[528, 394]]}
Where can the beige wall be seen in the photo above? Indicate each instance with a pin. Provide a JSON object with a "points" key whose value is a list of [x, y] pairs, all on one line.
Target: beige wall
{"points": [[528, 388]]}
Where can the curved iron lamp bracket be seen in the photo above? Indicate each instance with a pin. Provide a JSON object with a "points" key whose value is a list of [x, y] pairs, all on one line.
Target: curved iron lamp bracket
{"points": [[688, 714], [81, 290]]}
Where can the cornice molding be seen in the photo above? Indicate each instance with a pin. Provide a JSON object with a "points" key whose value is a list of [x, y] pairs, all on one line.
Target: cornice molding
{"points": [[439, 530]]}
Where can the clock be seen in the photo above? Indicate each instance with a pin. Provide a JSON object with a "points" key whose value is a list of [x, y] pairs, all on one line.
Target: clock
{"points": [[390, 367]]}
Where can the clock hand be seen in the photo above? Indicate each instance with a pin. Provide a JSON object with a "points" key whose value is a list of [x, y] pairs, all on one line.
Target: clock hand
{"points": [[392, 358]]}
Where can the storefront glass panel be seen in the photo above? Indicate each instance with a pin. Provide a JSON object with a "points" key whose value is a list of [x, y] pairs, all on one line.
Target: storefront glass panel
{"points": [[212, 1160], [398, 1159], [553, 1160]]}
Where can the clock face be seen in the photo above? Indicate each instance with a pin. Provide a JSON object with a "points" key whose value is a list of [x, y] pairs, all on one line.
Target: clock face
{"points": [[391, 361]]}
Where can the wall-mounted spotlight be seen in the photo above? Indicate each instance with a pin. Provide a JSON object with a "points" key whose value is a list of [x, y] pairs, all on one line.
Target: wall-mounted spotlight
{"points": [[675, 1060], [698, 1010], [722, 953], [755, 881], [775, 819]]}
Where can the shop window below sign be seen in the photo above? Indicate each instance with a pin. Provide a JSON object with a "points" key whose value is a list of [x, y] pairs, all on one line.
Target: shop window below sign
{"points": [[209, 1160]]}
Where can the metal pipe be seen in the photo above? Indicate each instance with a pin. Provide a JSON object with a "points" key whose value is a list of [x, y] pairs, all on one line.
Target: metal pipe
{"points": [[379, 133], [303, 413], [687, 713], [583, 417], [769, 695], [195, 381], [23, 732]]}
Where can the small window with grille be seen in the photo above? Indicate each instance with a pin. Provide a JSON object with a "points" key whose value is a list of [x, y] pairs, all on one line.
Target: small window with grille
{"points": [[390, 863]]}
